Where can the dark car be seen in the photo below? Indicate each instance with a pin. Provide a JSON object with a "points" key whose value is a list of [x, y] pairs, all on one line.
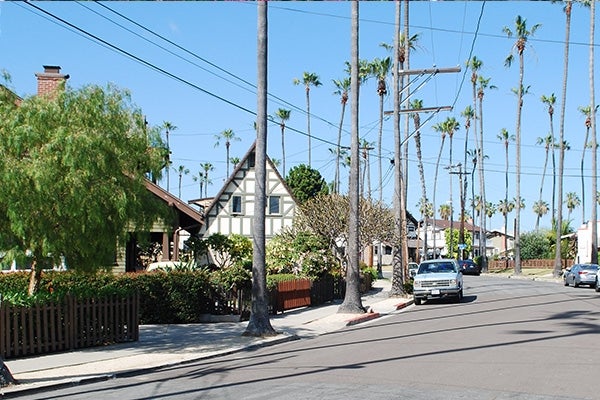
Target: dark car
{"points": [[469, 267], [581, 274]]}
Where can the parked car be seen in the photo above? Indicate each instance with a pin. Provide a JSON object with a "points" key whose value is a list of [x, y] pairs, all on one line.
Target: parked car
{"points": [[438, 278], [469, 267], [581, 274], [412, 269]]}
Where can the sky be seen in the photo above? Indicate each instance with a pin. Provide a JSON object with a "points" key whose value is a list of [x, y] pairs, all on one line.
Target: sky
{"points": [[193, 64]]}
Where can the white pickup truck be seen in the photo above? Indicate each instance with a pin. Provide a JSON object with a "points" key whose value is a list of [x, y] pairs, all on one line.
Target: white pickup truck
{"points": [[436, 279]]}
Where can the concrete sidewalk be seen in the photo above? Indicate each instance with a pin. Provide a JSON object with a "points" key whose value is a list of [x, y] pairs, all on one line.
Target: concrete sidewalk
{"points": [[166, 345]]}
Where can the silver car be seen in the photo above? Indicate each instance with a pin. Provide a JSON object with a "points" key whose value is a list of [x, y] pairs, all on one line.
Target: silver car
{"points": [[581, 274], [436, 279]]}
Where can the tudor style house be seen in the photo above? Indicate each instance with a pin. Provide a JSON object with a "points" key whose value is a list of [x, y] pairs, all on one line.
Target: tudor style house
{"points": [[231, 211]]}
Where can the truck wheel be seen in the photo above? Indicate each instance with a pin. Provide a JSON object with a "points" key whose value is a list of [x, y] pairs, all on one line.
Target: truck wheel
{"points": [[417, 301]]}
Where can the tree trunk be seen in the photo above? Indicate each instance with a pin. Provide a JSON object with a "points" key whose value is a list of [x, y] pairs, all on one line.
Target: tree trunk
{"points": [[259, 323], [352, 302], [594, 216], [398, 272], [561, 158]]}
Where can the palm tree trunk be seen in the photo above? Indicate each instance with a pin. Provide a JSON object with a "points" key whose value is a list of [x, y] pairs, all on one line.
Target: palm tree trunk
{"points": [[338, 154], [482, 228], [561, 158], [537, 221], [594, 257], [435, 179], [379, 145], [517, 241], [259, 323], [397, 271], [585, 143], [352, 302]]}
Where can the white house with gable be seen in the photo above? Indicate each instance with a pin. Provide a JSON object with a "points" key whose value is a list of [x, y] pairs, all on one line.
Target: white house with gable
{"points": [[232, 209]]}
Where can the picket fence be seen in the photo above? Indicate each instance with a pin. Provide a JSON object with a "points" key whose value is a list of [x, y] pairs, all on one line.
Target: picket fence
{"points": [[71, 324]]}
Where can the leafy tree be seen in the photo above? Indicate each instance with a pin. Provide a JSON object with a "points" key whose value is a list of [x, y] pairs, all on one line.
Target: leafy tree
{"points": [[451, 241], [535, 245], [72, 177], [328, 216], [306, 183], [299, 252]]}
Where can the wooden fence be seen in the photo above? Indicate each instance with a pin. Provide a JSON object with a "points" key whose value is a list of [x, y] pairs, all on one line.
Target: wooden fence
{"points": [[72, 324], [305, 292], [495, 265]]}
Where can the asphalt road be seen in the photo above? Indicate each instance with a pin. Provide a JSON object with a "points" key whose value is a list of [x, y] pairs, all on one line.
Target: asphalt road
{"points": [[508, 339]]}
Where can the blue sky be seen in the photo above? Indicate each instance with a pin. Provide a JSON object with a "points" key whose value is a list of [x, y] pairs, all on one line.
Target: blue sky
{"points": [[216, 73]]}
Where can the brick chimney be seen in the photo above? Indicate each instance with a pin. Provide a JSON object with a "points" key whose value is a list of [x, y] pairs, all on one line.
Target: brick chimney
{"points": [[49, 80]]}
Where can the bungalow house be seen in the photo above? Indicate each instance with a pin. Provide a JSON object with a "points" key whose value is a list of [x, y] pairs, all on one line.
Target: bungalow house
{"points": [[502, 244], [231, 211], [168, 237], [434, 233], [384, 252]]}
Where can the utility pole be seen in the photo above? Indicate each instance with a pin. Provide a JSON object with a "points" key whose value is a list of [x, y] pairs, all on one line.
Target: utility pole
{"points": [[461, 235], [398, 191]]}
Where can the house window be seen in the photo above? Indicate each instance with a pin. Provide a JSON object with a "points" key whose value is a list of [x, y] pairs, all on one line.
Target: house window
{"points": [[274, 204], [236, 204]]}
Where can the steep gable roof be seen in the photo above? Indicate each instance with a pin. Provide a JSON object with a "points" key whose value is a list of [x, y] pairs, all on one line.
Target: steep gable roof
{"points": [[193, 217], [239, 166]]}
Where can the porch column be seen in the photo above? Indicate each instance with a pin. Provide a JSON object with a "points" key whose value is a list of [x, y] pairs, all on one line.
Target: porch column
{"points": [[165, 246]]}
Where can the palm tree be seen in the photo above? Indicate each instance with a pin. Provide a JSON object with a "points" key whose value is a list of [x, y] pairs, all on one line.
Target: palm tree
{"points": [[417, 104], [540, 208], [468, 113], [259, 323], [572, 201], [234, 161], [490, 209], [308, 79], [398, 274], [522, 34], [483, 85], [181, 171], [228, 136], [503, 206], [284, 116], [342, 90], [200, 179], [445, 211], [207, 167], [352, 301], [440, 129], [380, 68], [587, 112], [168, 127], [548, 143], [559, 189], [475, 64], [594, 255], [365, 146]]}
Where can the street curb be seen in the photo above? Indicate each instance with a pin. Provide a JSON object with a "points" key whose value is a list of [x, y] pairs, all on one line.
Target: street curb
{"points": [[24, 391], [362, 318]]}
